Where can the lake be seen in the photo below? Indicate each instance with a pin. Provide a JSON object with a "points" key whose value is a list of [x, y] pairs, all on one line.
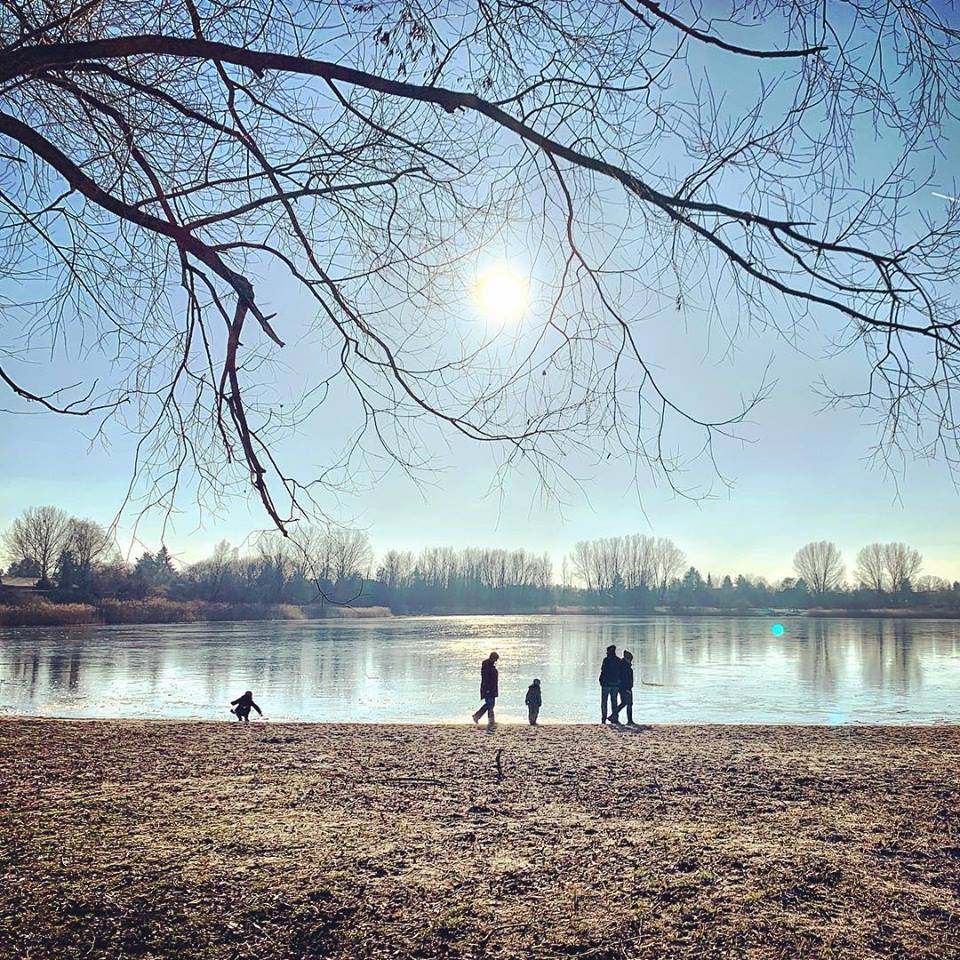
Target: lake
{"points": [[417, 669]]}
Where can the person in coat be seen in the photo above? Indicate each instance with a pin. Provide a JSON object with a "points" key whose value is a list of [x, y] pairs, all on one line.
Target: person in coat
{"points": [[534, 701], [241, 707], [489, 688], [626, 685], [610, 673]]}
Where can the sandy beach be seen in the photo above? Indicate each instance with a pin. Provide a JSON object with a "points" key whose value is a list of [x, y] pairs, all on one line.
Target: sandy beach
{"points": [[217, 840]]}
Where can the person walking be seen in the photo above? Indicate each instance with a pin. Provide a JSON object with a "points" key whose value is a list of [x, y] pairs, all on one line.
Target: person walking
{"points": [[489, 688], [534, 701], [610, 673], [241, 707], [626, 685]]}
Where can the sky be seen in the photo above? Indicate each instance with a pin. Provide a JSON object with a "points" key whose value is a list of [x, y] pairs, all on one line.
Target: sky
{"points": [[805, 474]]}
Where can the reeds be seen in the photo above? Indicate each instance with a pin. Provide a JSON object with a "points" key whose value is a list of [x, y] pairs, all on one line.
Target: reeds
{"points": [[38, 612]]}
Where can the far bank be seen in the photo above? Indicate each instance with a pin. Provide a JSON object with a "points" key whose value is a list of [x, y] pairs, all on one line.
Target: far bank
{"points": [[38, 611]]}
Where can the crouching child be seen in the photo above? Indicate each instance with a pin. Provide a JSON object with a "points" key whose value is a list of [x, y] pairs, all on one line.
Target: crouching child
{"points": [[240, 707]]}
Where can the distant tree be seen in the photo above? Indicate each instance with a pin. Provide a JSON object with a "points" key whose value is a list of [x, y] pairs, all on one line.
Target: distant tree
{"points": [[396, 569], [902, 564], [617, 586], [88, 543], [871, 569], [67, 573], [931, 584], [154, 573], [793, 591], [40, 534], [276, 568], [27, 568], [219, 567], [350, 554], [213, 579], [114, 578], [820, 564], [668, 561]]}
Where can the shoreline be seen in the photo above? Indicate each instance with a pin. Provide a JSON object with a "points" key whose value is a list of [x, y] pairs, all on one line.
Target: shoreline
{"points": [[12, 617], [427, 725], [190, 840]]}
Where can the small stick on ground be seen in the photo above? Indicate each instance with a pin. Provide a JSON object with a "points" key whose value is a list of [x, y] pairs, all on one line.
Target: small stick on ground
{"points": [[659, 791], [496, 760]]}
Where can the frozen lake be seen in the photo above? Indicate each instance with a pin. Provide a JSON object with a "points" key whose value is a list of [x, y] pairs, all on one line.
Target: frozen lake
{"points": [[694, 669]]}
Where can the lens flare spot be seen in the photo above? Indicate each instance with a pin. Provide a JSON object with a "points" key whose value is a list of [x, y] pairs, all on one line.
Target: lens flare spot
{"points": [[778, 630]]}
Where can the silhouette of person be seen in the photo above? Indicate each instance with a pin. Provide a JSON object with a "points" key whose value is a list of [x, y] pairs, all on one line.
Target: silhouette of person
{"points": [[241, 707], [626, 686], [489, 688], [610, 672], [534, 701]]}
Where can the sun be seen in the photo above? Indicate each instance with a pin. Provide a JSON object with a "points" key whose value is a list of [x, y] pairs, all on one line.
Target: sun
{"points": [[501, 293]]}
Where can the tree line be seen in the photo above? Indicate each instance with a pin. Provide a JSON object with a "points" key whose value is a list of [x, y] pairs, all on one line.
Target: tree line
{"points": [[79, 558]]}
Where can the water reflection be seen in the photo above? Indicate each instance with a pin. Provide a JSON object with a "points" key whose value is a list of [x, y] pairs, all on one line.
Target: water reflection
{"points": [[426, 669]]}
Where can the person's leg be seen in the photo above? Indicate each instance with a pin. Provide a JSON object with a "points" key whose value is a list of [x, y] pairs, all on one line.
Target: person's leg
{"points": [[484, 707], [491, 720], [614, 706], [628, 703], [604, 697]]}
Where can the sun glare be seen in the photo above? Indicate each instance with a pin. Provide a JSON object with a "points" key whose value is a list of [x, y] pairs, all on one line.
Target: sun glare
{"points": [[501, 293]]}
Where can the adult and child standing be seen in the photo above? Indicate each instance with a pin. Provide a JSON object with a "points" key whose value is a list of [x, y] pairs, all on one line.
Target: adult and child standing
{"points": [[490, 690], [616, 686]]}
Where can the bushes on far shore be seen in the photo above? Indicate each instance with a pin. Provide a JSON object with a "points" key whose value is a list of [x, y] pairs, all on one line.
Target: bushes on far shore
{"points": [[39, 612]]}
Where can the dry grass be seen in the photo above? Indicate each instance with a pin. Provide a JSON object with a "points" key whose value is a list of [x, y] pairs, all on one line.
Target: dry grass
{"points": [[42, 613], [329, 611], [126, 839]]}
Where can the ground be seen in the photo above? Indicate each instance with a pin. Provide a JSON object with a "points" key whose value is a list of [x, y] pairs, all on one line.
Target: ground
{"points": [[229, 841]]}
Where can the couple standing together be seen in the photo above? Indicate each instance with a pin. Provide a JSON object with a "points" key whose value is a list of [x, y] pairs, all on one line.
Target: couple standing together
{"points": [[616, 685]]}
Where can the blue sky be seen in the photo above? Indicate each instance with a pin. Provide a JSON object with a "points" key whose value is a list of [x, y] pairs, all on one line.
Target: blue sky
{"points": [[802, 477]]}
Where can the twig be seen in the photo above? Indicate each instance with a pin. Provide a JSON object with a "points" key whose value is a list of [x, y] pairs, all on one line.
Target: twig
{"points": [[496, 760], [659, 791], [407, 780]]}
